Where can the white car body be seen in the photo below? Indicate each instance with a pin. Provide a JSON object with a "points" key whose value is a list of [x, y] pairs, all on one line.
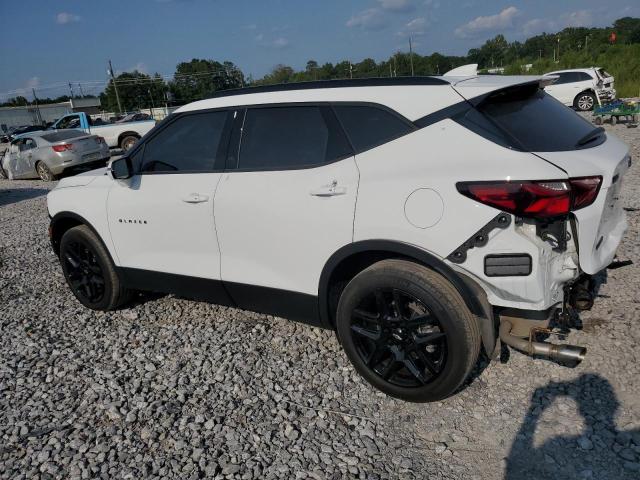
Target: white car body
{"points": [[574, 82], [281, 230]]}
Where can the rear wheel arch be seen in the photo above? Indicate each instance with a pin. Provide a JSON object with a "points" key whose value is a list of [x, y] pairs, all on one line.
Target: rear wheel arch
{"points": [[124, 135], [588, 91], [351, 259]]}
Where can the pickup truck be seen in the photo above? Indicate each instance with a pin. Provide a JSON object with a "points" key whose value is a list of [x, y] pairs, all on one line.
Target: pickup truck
{"points": [[117, 135]]}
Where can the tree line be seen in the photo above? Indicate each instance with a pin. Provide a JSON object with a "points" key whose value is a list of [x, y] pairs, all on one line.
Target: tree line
{"points": [[570, 48]]}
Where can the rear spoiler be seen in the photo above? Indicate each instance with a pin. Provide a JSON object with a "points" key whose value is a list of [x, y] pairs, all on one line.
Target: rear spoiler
{"points": [[479, 89]]}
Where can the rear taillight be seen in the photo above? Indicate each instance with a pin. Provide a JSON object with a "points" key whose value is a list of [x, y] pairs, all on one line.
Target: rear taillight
{"points": [[535, 199], [63, 147], [584, 191]]}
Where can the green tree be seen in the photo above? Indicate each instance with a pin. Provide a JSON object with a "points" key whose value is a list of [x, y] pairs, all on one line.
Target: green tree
{"points": [[199, 79], [136, 90]]}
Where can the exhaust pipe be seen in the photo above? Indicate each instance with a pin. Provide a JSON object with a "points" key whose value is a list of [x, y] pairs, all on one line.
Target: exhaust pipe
{"points": [[570, 355]]}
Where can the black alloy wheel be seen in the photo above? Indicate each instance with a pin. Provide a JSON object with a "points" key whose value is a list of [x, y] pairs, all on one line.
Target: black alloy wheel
{"points": [[407, 331], [90, 271], [399, 338], [84, 272]]}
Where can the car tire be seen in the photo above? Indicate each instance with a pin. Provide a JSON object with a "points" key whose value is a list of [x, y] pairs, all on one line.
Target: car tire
{"points": [[598, 120], [407, 331], [584, 101], [89, 270], [127, 142], [44, 172]]}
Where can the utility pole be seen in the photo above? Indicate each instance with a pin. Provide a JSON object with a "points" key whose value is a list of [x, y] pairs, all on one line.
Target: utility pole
{"points": [[390, 71], [151, 96], [115, 86], [539, 54], [586, 42], [35, 99], [81, 92], [71, 89], [558, 58], [411, 56], [395, 67], [350, 70]]}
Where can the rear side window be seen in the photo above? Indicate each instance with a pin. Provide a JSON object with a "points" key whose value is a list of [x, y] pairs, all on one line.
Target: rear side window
{"points": [[290, 137], [368, 127], [63, 135], [533, 121], [188, 144]]}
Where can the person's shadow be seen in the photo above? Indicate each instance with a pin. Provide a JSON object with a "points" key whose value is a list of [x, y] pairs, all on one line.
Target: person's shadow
{"points": [[601, 452]]}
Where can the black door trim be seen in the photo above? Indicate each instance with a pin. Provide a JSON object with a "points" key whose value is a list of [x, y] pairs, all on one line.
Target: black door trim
{"points": [[271, 301]]}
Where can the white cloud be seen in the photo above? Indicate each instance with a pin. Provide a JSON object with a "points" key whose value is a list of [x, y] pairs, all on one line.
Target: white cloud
{"points": [[280, 42], [502, 20], [370, 19], [64, 17], [416, 27], [33, 82], [401, 6], [580, 18]]}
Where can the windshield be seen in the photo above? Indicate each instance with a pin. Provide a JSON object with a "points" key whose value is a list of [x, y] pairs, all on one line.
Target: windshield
{"points": [[533, 121], [61, 135]]}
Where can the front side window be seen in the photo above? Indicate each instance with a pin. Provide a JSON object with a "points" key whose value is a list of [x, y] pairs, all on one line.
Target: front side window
{"points": [[289, 137], [369, 126], [191, 143]]}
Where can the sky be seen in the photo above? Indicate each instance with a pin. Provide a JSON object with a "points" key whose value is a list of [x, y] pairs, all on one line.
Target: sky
{"points": [[46, 44]]}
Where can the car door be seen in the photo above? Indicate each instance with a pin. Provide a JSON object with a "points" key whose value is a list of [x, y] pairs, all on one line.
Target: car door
{"points": [[161, 219], [285, 205], [27, 159], [12, 164]]}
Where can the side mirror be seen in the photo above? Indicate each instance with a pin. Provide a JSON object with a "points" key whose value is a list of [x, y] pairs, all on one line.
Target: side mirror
{"points": [[121, 168]]}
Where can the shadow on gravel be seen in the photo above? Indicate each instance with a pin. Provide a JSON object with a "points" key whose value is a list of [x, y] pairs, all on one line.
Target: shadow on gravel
{"points": [[601, 452], [15, 195]]}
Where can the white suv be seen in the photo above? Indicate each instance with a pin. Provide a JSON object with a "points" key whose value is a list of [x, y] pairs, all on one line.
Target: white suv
{"points": [[577, 88], [420, 218]]}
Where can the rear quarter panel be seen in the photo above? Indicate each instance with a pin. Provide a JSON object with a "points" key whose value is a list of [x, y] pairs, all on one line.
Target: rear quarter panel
{"points": [[435, 158]]}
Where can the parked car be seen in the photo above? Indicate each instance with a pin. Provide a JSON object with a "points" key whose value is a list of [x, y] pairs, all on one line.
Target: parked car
{"points": [[47, 154], [420, 218], [577, 88], [134, 117], [122, 136], [14, 132]]}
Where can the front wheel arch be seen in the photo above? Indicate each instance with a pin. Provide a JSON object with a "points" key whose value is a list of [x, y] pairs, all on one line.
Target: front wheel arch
{"points": [[63, 221]]}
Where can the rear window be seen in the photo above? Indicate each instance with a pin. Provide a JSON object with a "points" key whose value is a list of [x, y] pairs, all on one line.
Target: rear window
{"points": [[369, 126], [603, 73], [526, 118], [63, 135]]}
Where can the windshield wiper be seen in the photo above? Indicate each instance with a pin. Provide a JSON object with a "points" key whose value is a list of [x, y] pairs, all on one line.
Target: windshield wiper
{"points": [[590, 137]]}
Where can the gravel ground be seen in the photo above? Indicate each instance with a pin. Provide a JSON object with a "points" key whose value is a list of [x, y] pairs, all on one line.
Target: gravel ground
{"points": [[176, 389]]}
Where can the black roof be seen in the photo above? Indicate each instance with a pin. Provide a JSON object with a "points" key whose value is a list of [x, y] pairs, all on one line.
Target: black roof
{"points": [[355, 82]]}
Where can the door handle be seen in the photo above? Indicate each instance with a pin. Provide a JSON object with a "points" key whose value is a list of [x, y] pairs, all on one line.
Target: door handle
{"points": [[195, 198], [330, 190]]}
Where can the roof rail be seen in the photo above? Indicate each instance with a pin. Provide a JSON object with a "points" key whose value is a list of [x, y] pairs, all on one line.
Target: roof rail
{"points": [[345, 83]]}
